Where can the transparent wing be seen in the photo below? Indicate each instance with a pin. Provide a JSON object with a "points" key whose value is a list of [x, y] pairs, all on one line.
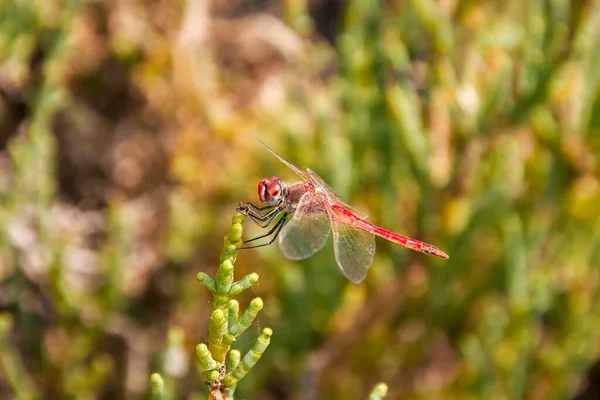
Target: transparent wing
{"points": [[354, 248], [333, 196], [316, 178], [304, 175], [307, 231]]}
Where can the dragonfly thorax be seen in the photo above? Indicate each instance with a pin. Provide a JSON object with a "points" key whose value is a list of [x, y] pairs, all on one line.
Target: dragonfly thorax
{"points": [[270, 190]]}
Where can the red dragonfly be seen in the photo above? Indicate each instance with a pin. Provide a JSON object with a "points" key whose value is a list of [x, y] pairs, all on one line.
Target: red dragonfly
{"points": [[302, 215]]}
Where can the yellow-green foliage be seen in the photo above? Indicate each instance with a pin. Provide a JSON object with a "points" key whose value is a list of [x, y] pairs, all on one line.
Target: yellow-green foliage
{"points": [[127, 138]]}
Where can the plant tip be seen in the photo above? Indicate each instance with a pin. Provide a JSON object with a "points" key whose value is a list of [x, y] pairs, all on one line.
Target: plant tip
{"points": [[203, 277], [238, 218], [156, 378], [201, 348], [212, 375], [257, 303], [267, 332]]}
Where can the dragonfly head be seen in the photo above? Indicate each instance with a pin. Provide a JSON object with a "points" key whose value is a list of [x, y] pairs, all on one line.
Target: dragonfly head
{"points": [[270, 190]]}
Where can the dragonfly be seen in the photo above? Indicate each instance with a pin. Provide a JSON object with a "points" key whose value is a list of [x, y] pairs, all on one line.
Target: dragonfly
{"points": [[301, 216]]}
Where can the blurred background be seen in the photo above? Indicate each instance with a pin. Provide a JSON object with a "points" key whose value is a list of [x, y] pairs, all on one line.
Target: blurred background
{"points": [[127, 137]]}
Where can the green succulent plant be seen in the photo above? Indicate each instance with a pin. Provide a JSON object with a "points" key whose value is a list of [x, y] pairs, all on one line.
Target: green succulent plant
{"points": [[221, 366]]}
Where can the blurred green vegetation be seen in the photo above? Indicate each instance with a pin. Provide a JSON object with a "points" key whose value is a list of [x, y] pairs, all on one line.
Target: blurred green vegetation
{"points": [[127, 138]]}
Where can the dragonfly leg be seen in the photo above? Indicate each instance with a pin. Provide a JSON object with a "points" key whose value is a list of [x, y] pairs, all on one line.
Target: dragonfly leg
{"points": [[267, 219], [263, 224], [256, 208], [248, 208], [258, 214], [277, 229], [270, 232]]}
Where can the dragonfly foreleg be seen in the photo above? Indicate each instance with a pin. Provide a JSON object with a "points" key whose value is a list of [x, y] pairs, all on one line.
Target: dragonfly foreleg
{"points": [[271, 217], [274, 231], [248, 208], [263, 220]]}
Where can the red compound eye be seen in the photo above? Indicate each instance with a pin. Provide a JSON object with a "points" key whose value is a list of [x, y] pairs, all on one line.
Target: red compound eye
{"points": [[269, 190], [273, 188], [262, 189]]}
